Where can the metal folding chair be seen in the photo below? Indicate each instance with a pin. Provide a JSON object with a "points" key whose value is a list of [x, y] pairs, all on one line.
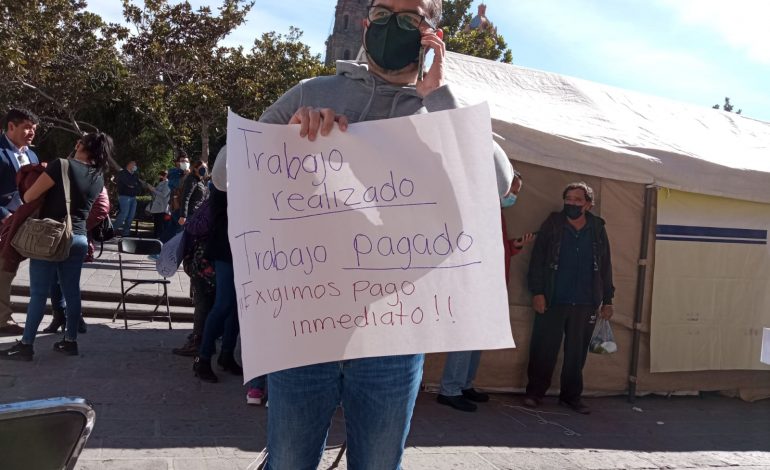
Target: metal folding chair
{"points": [[44, 433], [140, 246]]}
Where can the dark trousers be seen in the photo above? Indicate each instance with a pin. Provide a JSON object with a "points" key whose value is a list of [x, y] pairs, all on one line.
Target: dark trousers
{"points": [[574, 323], [159, 224], [203, 298]]}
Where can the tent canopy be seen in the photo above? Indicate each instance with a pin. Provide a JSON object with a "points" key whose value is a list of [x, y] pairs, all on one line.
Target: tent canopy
{"points": [[584, 127]]}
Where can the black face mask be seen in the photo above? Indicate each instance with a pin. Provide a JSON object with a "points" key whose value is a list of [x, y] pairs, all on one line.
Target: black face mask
{"points": [[391, 47], [572, 211]]}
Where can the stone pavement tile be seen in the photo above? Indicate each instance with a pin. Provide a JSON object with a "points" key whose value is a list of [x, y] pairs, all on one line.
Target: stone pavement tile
{"points": [[330, 456], [130, 464], [682, 459], [529, 461], [247, 448], [446, 459], [216, 463], [602, 459], [209, 427], [124, 428], [155, 447]]}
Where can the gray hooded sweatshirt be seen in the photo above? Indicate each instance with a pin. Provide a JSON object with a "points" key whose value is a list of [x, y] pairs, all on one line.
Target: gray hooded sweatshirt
{"points": [[363, 96]]}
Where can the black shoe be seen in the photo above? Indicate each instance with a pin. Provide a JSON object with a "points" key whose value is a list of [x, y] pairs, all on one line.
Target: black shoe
{"points": [[70, 348], [82, 326], [226, 361], [59, 320], [190, 348], [531, 402], [458, 403], [202, 368], [576, 405], [18, 352], [473, 395]]}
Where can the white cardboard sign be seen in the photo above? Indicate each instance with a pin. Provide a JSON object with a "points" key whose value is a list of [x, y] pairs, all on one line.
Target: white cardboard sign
{"points": [[381, 240]]}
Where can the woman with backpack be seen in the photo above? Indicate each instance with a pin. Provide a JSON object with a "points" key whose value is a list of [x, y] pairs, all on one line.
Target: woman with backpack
{"points": [[85, 180]]}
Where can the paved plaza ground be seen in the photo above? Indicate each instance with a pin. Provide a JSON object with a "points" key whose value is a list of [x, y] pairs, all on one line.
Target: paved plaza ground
{"points": [[151, 413]]}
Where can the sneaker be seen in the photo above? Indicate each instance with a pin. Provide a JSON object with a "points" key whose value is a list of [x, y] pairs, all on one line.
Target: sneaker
{"points": [[458, 402], [473, 395], [70, 348], [153, 257], [254, 396], [576, 405], [18, 352]]}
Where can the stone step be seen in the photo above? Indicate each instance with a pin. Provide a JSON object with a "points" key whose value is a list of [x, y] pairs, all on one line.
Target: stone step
{"points": [[135, 310], [113, 296]]}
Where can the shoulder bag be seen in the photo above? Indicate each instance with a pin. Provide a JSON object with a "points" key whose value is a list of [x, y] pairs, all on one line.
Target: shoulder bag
{"points": [[47, 239]]}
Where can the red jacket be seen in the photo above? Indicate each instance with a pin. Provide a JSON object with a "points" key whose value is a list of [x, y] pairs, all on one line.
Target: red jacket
{"points": [[509, 250], [26, 176]]}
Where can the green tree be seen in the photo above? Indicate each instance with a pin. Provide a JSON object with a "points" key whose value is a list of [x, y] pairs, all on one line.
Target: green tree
{"points": [[175, 65], [727, 107], [459, 37], [59, 60]]}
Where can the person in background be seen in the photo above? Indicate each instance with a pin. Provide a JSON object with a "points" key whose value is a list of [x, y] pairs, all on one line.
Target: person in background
{"points": [[159, 206], [570, 277], [456, 388], [129, 187], [194, 191], [86, 181], [176, 178]]}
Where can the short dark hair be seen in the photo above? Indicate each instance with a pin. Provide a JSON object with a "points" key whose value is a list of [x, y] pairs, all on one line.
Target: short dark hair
{"points": [[163, 173], [589, 193], [19, 115]]}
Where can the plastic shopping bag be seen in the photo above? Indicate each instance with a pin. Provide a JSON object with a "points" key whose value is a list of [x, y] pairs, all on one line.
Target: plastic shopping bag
{"points": [[603, 341]]}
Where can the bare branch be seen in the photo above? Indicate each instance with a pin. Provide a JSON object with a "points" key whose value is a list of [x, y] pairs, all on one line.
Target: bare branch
{"points": [[52, 99]]}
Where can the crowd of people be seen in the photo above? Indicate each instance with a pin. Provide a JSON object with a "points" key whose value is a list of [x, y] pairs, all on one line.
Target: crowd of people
{"points": [[570, 273]]}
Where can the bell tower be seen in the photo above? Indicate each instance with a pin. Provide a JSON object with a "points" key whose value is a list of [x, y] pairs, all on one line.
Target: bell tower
{"points": [[344, 41]]}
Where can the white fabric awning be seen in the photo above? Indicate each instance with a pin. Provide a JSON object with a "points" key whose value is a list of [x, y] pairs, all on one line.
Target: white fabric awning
{"points": [[580, 126]]}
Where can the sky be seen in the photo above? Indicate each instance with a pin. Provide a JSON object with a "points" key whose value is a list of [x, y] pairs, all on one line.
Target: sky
{"points": [[695, 51]]}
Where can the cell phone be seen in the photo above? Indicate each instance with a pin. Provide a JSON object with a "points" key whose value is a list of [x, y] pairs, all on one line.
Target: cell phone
{"points": [[421, 63]]}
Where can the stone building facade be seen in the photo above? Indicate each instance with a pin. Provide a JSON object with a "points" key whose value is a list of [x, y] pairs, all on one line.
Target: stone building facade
{"points": [[347, 34]]}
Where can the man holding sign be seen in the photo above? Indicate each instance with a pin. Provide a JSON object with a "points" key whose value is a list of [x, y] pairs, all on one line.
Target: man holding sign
{"points": [[376, 391]]}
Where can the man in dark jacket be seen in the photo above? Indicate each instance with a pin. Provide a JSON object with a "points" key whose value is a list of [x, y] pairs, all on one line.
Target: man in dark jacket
{"points": [[15, 153], [570, 277], [129, 187]]}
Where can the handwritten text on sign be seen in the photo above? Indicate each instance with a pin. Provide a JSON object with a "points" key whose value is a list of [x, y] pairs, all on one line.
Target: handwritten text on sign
{"points": [[381, 240]]}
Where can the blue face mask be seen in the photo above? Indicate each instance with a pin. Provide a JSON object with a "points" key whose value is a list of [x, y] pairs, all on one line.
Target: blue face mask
{"points": [[202, 171], [508, 201]]}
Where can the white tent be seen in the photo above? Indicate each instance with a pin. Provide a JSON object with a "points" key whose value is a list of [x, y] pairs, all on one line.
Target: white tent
{"points": [[627, 146]]}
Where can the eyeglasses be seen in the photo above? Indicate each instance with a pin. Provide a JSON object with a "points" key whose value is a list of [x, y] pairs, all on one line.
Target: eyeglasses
{"points": [[406, 20]]}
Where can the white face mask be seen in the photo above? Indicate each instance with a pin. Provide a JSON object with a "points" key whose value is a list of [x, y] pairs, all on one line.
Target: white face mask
{"points": [[184, 166]]}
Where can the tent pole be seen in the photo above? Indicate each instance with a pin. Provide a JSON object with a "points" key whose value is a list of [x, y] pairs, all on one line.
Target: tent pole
{"points": [[640, 291]]}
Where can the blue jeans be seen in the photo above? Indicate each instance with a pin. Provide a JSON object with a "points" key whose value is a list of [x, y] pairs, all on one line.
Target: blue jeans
{"points": [[377, 395], [223, 317], [459, 371], [42, 275], [57, 298], [126, 214]]}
